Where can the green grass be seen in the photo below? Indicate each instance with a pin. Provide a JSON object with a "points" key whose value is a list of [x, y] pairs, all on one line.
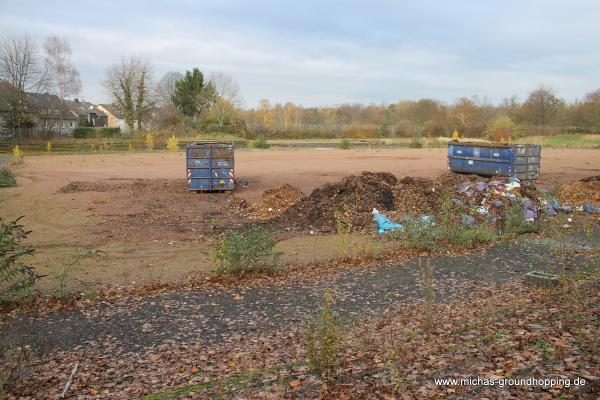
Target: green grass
{"points": [[7, 178], [569, 141]]}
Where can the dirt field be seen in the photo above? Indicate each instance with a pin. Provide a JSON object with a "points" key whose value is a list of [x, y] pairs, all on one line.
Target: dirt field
{"points": [[134, 209]]}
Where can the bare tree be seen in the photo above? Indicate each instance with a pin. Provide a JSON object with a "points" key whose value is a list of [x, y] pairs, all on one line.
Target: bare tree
{"points": [[227, 88], [21, 66], [165, 89], [64, 77], [129, 84]]}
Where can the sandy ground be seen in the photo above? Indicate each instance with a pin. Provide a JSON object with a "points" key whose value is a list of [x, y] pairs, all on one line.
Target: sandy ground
{"points": [[66, 225]]}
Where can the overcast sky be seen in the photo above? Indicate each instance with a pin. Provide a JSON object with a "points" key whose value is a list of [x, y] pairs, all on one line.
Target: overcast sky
{"points": [[332, 52]]}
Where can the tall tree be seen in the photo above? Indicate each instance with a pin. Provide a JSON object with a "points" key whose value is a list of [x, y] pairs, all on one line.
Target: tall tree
{"points": [[165, 89], [22, 68], [192, 96], [542, 105], [63, 76], [129, 84], [226, 87]]}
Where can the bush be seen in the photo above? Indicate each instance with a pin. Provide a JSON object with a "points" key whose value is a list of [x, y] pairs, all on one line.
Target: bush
{"points": [[415, 143], [15, 277], [240, 253], [418, 236], [261, 143], [324, 340], [92, 132], [345, 144], [7, 178], [469, 236], [515, 223]]}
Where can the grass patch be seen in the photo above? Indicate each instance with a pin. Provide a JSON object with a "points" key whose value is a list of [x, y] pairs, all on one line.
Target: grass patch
{"points": [[575, 141], [245, 252], [260, 143], [345, 144], [7, 178]]}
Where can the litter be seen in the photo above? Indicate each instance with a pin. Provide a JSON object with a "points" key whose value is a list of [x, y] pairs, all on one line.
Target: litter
{"points": [[384, 224], [467, 219], [588, 208]]}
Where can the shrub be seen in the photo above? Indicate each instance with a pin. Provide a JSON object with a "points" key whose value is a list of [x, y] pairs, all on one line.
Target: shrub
{"points": [[418, 236], [16, 278], [172, 143], [240, 253], [324, 340], [15, 361], [261, 143], [17, 155], [469, 236], [7, 178], [515, 223], [345, 144], [84, 132], [415, 143], [149, 142]]}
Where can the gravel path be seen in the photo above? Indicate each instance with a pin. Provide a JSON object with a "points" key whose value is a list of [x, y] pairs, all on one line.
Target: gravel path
{"points": [[210, 316]]}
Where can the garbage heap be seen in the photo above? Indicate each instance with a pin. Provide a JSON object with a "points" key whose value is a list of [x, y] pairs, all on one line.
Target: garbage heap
{"points": [[474, 200]]}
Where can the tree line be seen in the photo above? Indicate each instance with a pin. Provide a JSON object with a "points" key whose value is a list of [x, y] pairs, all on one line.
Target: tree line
{"points": [[212, 102]]}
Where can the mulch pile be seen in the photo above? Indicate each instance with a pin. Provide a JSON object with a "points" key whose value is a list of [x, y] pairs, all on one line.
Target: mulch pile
{"points": [[586, 190], [358, 193], [79, 187], [275, 201]]}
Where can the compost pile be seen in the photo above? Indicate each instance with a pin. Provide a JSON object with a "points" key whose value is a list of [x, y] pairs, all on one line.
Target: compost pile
{"points": [[358, 194], [275, 201], [79, 187], [586, 190]]}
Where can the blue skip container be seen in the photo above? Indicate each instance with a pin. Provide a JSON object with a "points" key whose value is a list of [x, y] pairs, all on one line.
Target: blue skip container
{"points": [[495, 159], [210, 166]]}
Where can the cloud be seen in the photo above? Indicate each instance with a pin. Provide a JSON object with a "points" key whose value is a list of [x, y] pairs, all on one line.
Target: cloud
{"points": [[318, 53]]}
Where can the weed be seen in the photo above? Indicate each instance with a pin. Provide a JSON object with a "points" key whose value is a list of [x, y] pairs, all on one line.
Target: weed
{"points": [[515, 223], [418, 236], [345, 144], [343, 224], [172, 143], [15, 360], [17, 155], [469, 236], [130, 146], [544, 348], [149, 142], [62, 277], [261, 143], [240, 253], [324, 340], [7, 178], [16, 278], [49, 147], [415, 143]]}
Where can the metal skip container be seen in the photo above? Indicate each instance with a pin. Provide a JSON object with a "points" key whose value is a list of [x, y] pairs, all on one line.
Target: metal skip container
{"points": [[210, 166], [495, 159]]}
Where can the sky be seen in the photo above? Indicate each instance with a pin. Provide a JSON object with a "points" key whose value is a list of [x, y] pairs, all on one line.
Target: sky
{"points": [[320, 53]]}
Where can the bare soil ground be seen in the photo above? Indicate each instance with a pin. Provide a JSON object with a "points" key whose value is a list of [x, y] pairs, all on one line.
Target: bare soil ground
{"points": [[134, 207]]}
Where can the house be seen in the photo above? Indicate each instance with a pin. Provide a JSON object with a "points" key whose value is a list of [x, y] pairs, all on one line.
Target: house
{"points": [[87, 114], [50, 114], [115, 118], [33, 115]]}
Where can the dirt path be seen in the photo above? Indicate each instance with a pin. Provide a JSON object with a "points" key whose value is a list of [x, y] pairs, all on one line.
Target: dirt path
{"points": [[210, 316]]}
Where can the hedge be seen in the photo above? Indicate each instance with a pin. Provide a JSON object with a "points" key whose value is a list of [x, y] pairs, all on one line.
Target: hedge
{"points": [[89, 132]]}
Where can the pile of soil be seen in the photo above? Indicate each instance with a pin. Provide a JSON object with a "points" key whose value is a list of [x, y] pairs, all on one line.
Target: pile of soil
{"points": [[358, 193], [275, 201], [586, 190], [79, 187]]}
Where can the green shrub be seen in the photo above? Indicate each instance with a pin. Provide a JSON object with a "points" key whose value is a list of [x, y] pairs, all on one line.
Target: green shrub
{"points": [[324, 339], [515, 223], [240, 253], [418, 235], [16, 278], [261, 143], [7, 178], [345, 144], [92, 132], [415, 143], [469, 236]]}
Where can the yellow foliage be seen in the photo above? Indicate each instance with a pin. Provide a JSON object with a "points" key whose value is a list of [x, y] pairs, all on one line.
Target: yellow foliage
{"points": [[49, 147], [172, 143], [130, 146], [149, 140], [17, 154], [455, 136], [92, 147]]}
